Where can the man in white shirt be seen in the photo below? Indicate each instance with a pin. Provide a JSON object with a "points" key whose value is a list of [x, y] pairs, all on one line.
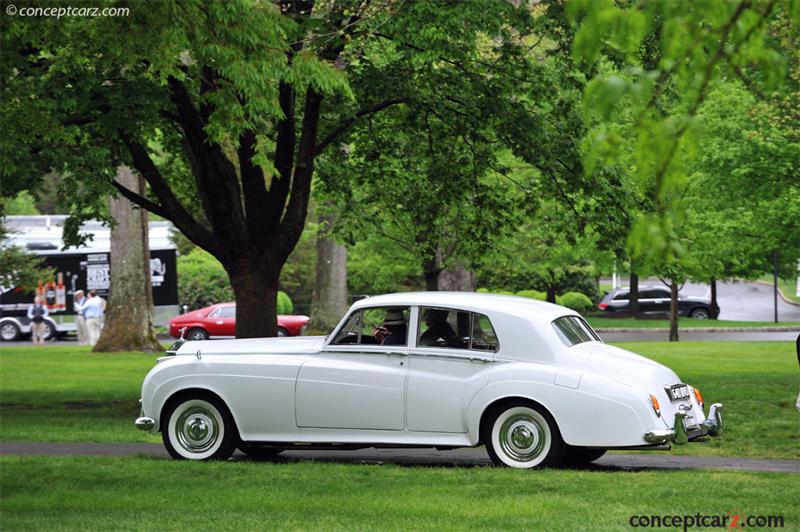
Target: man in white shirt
{"points": [[93, 309], [80, 320]]}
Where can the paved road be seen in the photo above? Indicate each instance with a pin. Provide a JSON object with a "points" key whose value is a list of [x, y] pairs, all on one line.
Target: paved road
{"points": [[411, 457], [739, 300]]}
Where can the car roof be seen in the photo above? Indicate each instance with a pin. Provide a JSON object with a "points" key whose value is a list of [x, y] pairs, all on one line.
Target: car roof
{"points": [[472, 301]]}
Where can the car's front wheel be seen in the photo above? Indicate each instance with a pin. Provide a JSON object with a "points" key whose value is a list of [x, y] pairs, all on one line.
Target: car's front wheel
{"points": [[699, 314], [196, 334], [282, 333], [199, 427], [523, 435]]}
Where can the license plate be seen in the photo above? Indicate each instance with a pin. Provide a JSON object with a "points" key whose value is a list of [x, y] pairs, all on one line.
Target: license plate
{"points": [[678, 392]]}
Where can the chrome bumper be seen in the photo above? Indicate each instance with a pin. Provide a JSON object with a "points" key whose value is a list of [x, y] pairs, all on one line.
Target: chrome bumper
{"points": [[145, 423], [681, 434]]}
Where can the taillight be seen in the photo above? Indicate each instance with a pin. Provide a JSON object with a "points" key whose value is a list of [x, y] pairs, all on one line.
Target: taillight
{"points": [[698, 396], [656, 406], [602, 306]]}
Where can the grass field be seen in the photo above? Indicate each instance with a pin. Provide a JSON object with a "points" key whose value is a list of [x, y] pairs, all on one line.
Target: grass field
{"points": [[600, 322], [54, 393], [145, 493]]}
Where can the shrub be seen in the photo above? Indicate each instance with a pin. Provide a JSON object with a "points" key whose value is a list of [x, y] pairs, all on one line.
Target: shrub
{"points": [[533, 294], [202, 281], [576, 301], [493, 291]]}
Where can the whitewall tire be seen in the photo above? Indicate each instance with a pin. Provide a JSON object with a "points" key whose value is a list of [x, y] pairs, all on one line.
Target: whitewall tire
{"points": [[523, 436], [199, 428]]}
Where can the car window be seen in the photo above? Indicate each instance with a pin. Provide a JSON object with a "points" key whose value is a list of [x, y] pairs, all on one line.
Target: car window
{"points": [[483, 335], [350, 331], [375, 326], [573, 330], [227, 312], [441, 327], [455, 329], [214, 313], [621, 296]]}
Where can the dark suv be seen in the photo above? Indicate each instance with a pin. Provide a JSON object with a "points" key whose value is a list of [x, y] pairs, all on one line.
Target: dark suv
{"points": [[655, 300]]}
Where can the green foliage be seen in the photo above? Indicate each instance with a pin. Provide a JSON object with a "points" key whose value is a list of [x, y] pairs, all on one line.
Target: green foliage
{"points": [[20, 268], [202, 281], [21, 204], [285, 305], [532, 294], [576, 301]]}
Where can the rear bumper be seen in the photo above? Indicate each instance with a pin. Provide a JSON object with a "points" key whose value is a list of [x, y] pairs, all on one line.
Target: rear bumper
{"points": [[680, 434]]}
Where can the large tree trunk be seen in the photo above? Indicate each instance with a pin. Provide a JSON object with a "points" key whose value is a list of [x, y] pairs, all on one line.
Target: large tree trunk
{"points": [[714, 304], [329, 300], [129, 313], [431, 270], [551, 293], [256, 292], [633, 296], [456, 279], [673, 311]]}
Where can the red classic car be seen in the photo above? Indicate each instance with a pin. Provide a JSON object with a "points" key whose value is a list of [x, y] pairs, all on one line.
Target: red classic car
{"points": [[219, 321]]}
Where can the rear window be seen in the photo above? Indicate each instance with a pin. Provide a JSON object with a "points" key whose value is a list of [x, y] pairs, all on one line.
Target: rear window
{"points": [[574, 330]]}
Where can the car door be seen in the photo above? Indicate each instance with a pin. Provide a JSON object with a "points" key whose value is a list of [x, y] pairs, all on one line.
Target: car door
{"points": [[655, 301], [447, 369], [356, 382], [222, 321]]}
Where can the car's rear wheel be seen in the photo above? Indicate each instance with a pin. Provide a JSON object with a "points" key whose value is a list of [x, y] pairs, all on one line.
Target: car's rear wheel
{"points": [[581, 455], [282, 332], [199, 427], [259, 452], [699, 314], [523, 435], [196, 333], [9, 332]]}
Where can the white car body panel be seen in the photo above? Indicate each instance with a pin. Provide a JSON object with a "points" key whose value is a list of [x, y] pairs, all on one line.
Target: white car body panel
{"points": [[304, 390]]}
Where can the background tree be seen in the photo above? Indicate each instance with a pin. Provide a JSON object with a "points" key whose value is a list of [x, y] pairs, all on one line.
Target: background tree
{"points": [[128, 322]]}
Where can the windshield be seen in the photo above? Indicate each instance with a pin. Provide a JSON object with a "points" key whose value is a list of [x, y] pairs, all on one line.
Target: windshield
{"points": [[574, 330]]}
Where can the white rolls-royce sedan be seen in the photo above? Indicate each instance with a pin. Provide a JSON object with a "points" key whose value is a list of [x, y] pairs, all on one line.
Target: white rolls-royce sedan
{"points": [[529, 380]]}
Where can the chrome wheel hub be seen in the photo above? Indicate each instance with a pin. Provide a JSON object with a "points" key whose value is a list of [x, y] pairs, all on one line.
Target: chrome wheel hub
{"points": [[522, 437], [197, 429]]}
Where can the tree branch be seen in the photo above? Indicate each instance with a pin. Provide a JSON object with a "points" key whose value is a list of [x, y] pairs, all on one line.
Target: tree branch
{"points": [[170, 207], [348, 123]]}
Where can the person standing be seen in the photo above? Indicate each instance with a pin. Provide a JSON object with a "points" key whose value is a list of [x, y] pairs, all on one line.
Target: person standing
{"points": [[80, 320], [93, 310], [37, 312]]}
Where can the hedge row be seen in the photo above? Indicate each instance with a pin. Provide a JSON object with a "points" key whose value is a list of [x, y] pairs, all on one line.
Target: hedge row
{"points": [[575, 300]]}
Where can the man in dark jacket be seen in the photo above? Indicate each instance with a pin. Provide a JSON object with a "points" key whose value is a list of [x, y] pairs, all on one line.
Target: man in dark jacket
{"points": [[37, 313]]}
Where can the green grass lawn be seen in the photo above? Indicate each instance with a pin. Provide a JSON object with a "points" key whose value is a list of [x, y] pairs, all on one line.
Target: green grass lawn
{"points": [[55, 393], [600, 322], [68, 493]]}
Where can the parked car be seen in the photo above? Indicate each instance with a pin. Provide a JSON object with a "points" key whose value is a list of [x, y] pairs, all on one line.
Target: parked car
{"points": [[530, 380], [656, 300], [219, 321]]}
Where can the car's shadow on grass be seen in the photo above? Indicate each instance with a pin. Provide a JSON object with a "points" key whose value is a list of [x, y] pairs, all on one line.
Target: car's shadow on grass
{"points": [[474, 458]]}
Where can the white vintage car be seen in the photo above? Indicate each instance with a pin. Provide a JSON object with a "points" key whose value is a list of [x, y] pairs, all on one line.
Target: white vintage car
{"points": [[530, 380]]}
